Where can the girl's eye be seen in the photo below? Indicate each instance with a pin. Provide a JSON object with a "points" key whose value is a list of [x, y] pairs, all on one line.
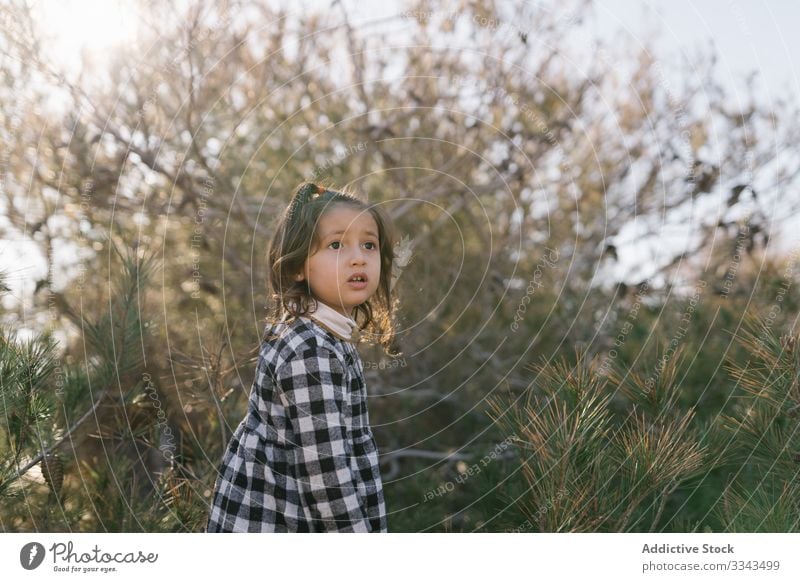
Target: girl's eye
{"points": [[336, 242]]}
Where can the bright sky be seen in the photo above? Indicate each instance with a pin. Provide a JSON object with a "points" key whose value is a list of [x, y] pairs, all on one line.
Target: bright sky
{"points": [[749, 35], [90, 26]]}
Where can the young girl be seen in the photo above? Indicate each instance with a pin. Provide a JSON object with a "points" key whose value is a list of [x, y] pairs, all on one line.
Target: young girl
{"points": [[304, 458]]}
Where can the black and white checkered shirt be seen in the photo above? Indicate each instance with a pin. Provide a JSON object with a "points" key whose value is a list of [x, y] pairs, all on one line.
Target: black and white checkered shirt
{"points": [[304, 458]]}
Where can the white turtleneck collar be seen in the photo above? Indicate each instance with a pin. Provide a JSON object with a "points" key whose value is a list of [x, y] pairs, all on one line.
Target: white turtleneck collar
{"points": [[338, 324]]}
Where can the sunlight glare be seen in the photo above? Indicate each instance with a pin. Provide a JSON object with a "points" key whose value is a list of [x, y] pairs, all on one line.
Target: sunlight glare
{"points": [[85, 30]]}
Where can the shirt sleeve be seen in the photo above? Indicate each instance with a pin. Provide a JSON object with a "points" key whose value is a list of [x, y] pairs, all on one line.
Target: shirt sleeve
{"points": [[312, 391]]}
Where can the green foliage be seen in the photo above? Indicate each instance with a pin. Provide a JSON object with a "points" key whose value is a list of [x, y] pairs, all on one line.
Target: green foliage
{"points": [[589, 469], [27, 407], [51, 408], [763, 509], [657, 465], [763, 448]]}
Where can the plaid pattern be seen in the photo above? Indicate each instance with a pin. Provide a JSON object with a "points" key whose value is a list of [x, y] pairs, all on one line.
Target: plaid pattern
{"points": [[304, 458]]}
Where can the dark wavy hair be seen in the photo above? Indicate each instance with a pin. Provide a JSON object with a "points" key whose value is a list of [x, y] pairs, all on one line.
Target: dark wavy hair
{"points": [[296, 239]]}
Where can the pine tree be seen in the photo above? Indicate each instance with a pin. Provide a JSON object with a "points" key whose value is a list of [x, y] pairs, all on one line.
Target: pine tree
{"points": [[763, 444], [80, 443], [591, 468]]}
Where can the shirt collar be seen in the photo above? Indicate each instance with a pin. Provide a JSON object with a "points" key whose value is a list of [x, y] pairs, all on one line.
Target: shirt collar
{"points": [[338, 324]]}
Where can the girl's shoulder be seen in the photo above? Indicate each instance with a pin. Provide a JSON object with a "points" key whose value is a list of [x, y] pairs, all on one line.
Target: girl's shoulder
{"points": [[299, 337]]}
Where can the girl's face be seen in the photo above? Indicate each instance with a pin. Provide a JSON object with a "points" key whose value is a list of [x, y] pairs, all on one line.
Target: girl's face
{"points": [[348, 247]]}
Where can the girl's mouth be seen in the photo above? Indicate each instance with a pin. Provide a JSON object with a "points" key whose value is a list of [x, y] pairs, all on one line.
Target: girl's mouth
{"points": [[358, 281]]}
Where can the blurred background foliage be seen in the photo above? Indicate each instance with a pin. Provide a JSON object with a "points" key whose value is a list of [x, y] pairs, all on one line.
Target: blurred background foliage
{"points": [[569, 362]]}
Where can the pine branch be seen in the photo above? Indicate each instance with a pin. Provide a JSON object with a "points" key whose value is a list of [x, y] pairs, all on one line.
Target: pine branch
{"points": [[67, 436]]}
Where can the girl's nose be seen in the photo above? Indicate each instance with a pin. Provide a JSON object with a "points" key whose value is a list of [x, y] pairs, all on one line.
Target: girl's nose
{"points": [[358, 257]]}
